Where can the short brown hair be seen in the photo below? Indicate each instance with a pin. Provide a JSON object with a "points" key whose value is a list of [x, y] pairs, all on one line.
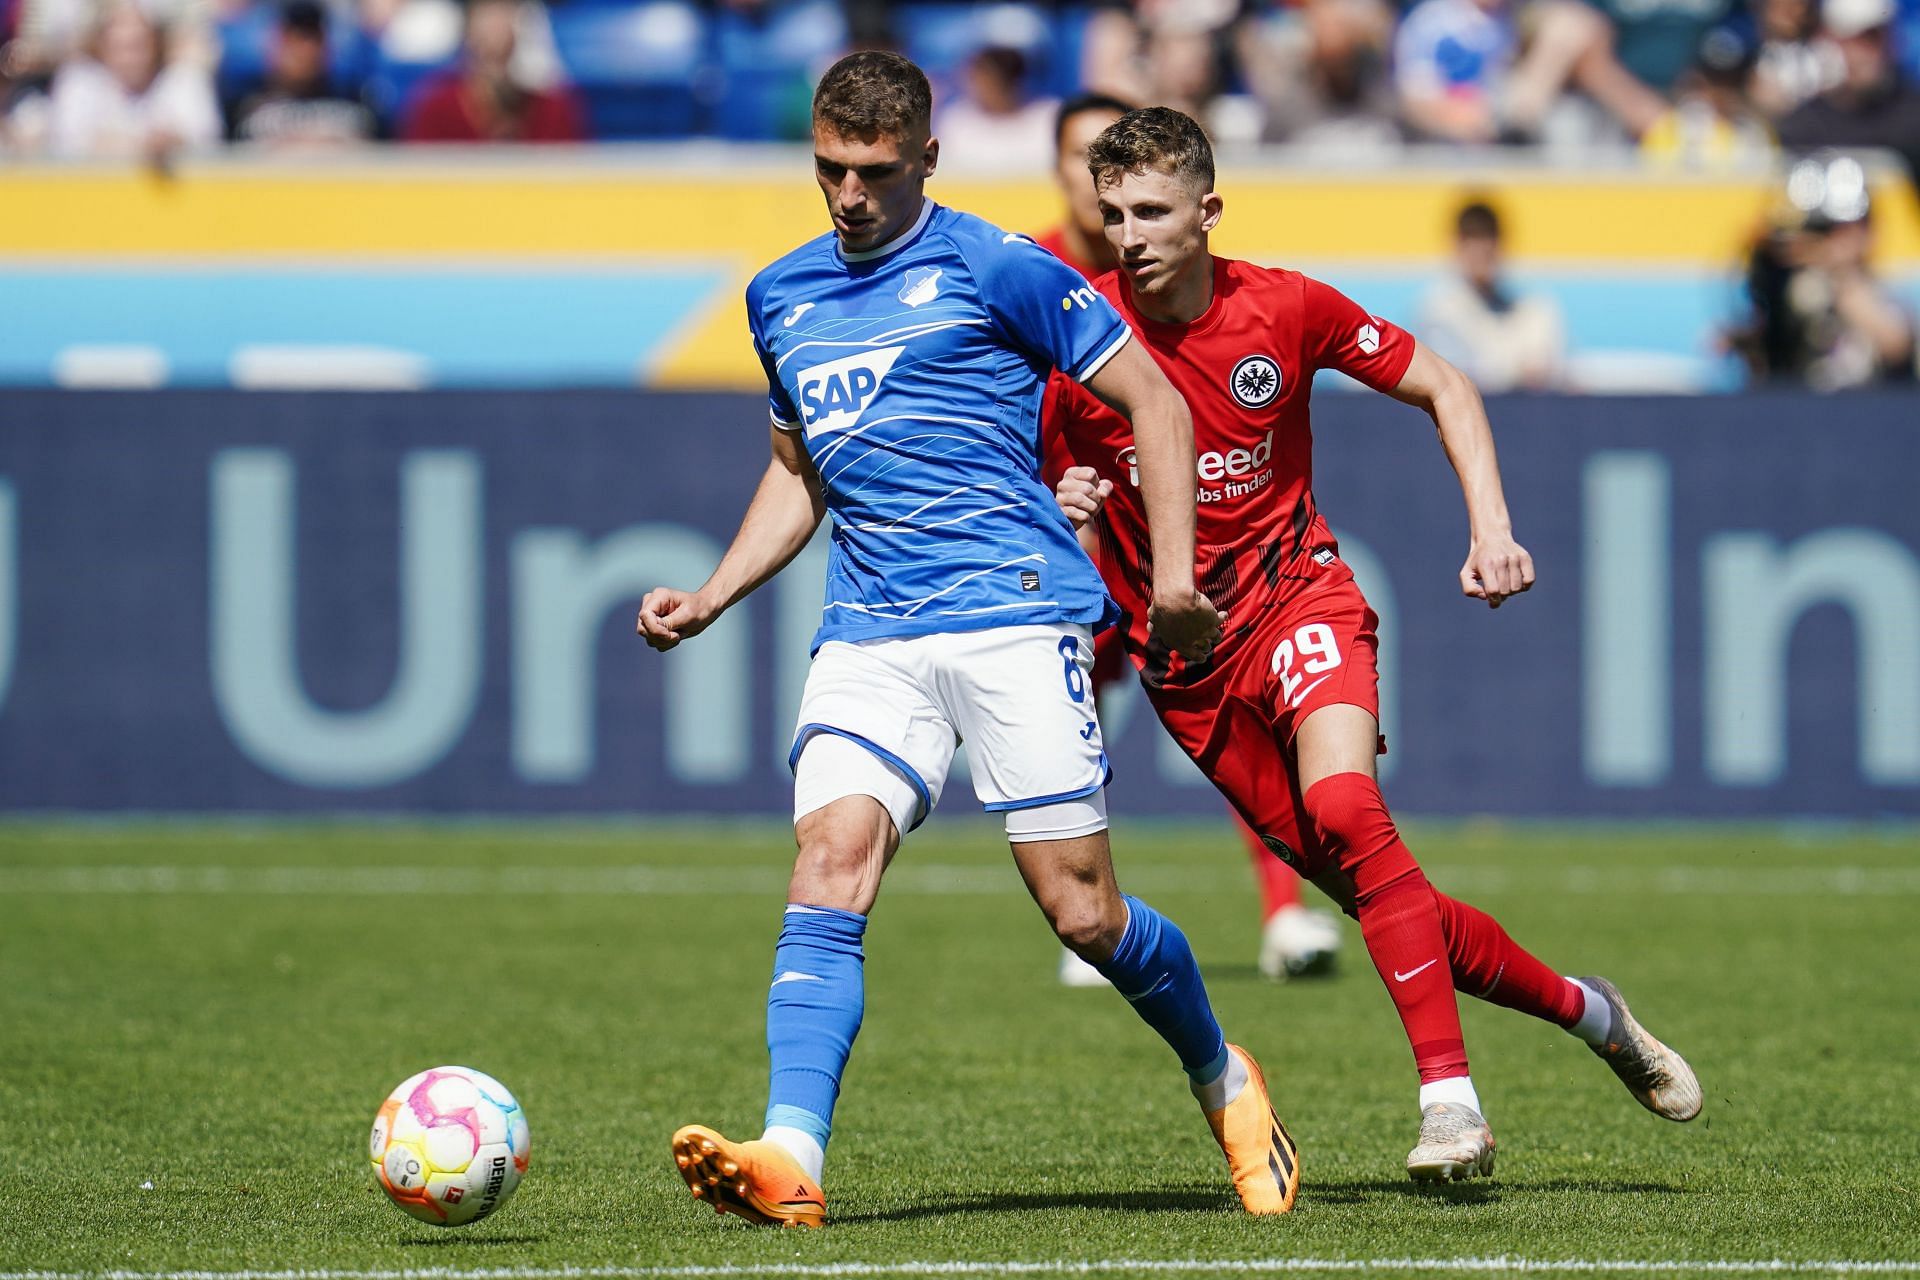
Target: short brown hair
{"points": [[1153, 138], [871, 93], [1477, 221]]}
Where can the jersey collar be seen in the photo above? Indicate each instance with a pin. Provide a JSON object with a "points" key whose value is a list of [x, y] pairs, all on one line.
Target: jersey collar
{"points": [[1202, 323], [899, 242]]}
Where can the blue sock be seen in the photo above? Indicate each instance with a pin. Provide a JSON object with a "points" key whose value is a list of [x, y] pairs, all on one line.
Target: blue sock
{"points": [[813, 1014], [1154, 968]]}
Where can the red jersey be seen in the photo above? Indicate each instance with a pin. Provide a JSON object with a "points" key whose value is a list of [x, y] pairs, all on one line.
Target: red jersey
{"points": [[1055, 243], [1246, 370]]}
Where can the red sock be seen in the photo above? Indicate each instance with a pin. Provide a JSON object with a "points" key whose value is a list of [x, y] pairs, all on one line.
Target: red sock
{"points": [[1491, 966], [1398, 917], [1279, 887]]}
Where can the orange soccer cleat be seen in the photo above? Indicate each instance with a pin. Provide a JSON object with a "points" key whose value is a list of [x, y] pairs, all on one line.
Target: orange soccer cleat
{"points": [[755, 1180], [1260, 1152]]}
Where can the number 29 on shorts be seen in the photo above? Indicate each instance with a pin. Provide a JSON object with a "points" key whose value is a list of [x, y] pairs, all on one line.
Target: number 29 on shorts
{"points": [[1318, 651]]}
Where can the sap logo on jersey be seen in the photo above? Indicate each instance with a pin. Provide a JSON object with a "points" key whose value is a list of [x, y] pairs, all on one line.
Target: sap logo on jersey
{"points": [[835, 394]]}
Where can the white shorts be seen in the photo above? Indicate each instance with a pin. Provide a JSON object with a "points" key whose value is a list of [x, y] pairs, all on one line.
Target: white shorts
{"points": [[884, 717]]}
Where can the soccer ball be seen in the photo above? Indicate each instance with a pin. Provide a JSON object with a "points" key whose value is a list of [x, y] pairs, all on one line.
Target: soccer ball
{"points": [[449, 1145]]}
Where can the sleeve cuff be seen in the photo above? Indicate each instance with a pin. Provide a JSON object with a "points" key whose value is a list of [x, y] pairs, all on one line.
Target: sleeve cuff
{"points": [[1399, 366], [1099, 362]]}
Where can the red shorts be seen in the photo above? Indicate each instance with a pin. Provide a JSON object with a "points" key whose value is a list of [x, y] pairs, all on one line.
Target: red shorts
{"points": [[1316, 650], [1110, 663]]}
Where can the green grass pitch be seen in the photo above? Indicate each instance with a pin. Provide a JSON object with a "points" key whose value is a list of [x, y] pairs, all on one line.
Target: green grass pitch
{"points": [[197, 1022]]}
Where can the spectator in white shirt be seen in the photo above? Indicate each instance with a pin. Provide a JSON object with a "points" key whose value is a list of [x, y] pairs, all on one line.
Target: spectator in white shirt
{"points": [[995, 121], [123, 100], [1503, 341]]}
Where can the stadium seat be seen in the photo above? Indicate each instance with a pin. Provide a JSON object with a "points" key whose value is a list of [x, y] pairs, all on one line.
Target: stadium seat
{"points": [[244, 40], [766, 64], [940, 37], [1906, 39], [1062, 69], [636, 67], [423, 40]]}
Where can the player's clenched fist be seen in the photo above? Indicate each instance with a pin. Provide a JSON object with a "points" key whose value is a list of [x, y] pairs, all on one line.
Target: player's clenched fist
{"points": [[1496, 568], [1081, 493], [668, 616], [1190, 627]]}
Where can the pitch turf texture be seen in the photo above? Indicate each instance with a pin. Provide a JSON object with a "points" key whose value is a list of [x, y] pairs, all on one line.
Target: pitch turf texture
{"points": [[197, 1022]]}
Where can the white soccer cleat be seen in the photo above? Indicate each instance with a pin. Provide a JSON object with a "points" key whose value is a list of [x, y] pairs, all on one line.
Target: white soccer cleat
{"points": [[1455, 1143], [1075, 972], [1299, 942], [1653, 1073]]}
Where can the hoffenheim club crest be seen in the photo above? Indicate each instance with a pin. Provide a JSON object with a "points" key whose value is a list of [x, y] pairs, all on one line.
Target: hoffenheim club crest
{"points": [[922, 285]]}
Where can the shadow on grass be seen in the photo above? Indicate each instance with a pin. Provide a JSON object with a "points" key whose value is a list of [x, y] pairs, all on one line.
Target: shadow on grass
{"points": [[1148, 1200], [1199, 1199], [468, 1242], [1355, 1191], [1605, 1187], [1359, 1191]]}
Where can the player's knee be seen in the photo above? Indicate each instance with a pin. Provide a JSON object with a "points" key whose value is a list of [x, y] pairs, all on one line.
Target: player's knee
{"points": [[1338, 886], [841, 876], [1089, 927], [1345, 809], [838, 864], [1091, 937], [1350, 819]]}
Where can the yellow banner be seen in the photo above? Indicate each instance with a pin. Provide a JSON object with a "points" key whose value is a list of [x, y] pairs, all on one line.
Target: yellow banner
{"points": [[664, 208]]}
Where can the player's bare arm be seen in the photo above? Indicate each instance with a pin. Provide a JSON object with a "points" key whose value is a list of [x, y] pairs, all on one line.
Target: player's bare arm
{"points": [[1497, 566], [1132, 385], [786, 509]]}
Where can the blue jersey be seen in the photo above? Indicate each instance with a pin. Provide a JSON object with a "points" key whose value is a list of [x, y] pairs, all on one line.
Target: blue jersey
{"points": [[915, 371]]}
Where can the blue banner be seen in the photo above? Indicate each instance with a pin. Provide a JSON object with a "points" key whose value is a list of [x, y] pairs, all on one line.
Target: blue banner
{"points": [[221, 601]]}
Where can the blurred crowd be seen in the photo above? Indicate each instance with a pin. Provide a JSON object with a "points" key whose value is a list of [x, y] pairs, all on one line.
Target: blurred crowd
{"points": [[1696, 83], [1813, 311], [1699, 85]]}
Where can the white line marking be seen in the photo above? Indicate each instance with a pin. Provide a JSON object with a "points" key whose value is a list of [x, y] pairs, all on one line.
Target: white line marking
{"points": [[931, 503], [901, 335], [919, 879], [1499, 1265]]}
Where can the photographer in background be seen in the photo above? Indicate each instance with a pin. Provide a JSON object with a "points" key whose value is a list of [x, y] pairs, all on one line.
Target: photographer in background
{"points": [[1817, 314]]}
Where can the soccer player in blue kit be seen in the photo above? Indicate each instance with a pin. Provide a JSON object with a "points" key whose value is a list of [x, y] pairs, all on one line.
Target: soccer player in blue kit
{"points": [[906, 355]]}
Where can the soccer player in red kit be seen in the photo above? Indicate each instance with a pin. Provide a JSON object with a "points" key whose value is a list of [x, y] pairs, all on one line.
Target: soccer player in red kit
{"points": [[1295, 940], [1282, 714]]}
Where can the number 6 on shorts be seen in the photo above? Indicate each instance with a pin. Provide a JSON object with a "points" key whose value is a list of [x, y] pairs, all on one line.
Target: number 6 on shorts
{"points": [[1076, 678]]}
